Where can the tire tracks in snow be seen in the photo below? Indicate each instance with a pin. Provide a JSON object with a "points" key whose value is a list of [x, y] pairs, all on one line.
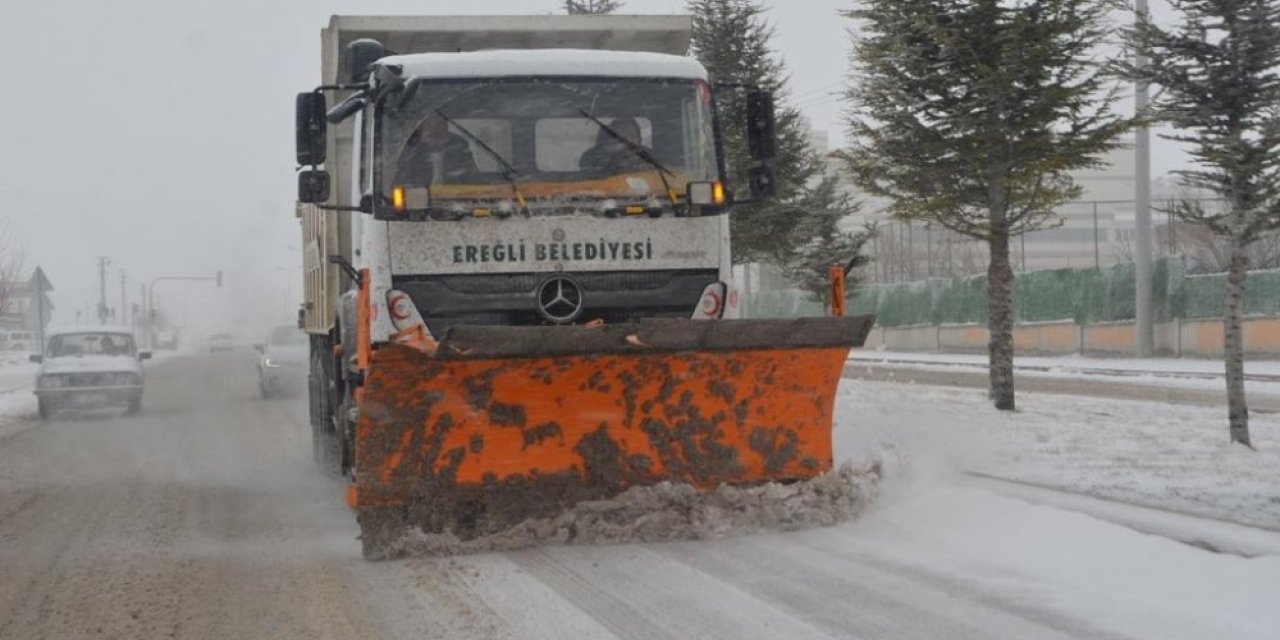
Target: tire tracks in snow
{"points": [[1219, 535], [805, 573]]}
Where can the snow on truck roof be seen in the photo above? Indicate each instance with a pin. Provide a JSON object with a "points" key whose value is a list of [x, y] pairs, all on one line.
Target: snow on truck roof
{"points": [[504, 63], [422, 34]]}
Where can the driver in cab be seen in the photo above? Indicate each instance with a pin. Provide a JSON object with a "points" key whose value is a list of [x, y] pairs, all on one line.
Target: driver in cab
{"points": [[434, 155]]}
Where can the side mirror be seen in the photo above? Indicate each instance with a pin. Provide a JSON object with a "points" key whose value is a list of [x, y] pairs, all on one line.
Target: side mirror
{"points": [[310, 126], [35, 357], [346, 108], [144, 355], [762, 137], [259, 348], [361, 54], [762, 182], [313, 187]]}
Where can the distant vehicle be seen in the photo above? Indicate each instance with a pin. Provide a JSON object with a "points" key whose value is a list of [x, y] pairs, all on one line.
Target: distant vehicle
{"points": [[221, 343], [283, 359], [89, 367], [167, 340]]}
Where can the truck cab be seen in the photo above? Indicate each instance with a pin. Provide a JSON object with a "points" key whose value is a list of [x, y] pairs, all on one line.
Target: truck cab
{"points": [[567, 171], [508, 171]]}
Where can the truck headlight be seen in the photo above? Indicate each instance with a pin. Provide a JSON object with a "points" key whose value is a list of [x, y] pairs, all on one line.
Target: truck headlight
{"points": [[268, 363]]}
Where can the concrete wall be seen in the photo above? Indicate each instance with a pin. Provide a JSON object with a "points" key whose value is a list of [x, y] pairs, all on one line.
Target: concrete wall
{"points": [[1189, 338]]}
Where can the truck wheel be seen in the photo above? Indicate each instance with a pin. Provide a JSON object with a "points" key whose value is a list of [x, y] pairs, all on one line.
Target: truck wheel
{"points": [[321, 391], [135, 406], [45, 407], [346, 434]]}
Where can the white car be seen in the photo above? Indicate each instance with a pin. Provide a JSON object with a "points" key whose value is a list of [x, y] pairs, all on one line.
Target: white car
{"points": [[88, 368], [221, 343], [283, 359]]}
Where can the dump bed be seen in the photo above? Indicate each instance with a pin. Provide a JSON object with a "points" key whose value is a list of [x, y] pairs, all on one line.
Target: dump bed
{"points": [[329, 233]]}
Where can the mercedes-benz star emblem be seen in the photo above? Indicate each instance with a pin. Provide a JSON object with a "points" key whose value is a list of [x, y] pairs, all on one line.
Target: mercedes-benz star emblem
{"points": [[560, 300]]}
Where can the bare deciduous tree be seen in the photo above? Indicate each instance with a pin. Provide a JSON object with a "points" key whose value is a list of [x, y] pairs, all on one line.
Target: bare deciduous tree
{"points": [[12, 283]]}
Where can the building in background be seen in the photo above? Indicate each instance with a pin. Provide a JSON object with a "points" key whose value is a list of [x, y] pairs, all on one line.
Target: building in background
{"points": [[27, 311], [1095, 230]]}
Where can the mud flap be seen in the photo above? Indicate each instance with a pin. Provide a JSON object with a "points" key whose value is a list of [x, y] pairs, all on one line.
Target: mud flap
{"points": [[503, 424]]}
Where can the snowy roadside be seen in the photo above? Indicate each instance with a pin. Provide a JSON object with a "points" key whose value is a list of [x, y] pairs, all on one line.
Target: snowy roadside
{"points": [[1168, 457], [1195, 365], [1183, 373], [17, 403]]}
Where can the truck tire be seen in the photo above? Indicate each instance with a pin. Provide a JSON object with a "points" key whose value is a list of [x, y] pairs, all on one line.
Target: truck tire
{"points": [[321, 389], [135, 406], [346, 433], [45, 407]]}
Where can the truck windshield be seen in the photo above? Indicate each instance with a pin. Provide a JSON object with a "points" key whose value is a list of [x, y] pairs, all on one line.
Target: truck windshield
{"points": [[468, 140]]}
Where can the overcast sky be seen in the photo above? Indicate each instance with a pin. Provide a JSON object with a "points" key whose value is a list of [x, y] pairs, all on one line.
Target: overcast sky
{"points": [[159, 134]]}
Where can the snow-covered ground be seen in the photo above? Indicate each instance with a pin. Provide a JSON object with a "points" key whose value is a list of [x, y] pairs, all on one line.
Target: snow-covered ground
{"points": [[174, 511], [1076, 362], [17, 402], [1183, 373], [1165, 456]]}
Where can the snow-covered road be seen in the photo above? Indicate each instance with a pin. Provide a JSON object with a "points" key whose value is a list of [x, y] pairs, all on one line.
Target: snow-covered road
{"points": [[203, 518]]}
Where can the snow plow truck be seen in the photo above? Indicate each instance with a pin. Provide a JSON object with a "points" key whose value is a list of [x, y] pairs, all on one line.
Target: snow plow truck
{"points": [[518, 278]]}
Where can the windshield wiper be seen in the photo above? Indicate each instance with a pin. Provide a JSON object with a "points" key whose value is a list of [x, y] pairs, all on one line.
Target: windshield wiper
{"points": [[640, 152], [509, 171]]}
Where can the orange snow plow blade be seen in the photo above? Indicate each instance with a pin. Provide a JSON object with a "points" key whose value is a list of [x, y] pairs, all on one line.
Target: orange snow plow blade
{"points": [[505, 424]]}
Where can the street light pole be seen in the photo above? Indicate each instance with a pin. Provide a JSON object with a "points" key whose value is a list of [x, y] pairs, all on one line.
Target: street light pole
{"points": [[123, 316], [1143, 319]]}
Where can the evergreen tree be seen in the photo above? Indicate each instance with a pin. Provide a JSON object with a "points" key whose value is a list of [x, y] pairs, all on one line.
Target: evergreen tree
{"points": [[591, 7], [971, 115], [819, 241], [1219, 75], [731, 39]]}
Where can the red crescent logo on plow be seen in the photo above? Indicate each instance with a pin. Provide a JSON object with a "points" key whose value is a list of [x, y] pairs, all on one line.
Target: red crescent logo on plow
{"points": [[393, 307], [711, 304]]}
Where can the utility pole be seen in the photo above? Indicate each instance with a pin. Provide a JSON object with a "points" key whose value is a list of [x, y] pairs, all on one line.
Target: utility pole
{"points": [[124, 301], [103, 261], [1144, 320]]}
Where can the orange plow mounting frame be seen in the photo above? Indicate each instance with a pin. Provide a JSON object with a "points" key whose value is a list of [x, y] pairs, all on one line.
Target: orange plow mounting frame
{"points": [[509, 423]]}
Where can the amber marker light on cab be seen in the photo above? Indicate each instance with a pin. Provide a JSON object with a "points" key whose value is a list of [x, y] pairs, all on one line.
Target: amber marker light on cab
{"points": [[397, 198]]}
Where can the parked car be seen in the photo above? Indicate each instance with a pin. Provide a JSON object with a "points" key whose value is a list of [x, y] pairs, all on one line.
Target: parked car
{"points": [[88, 368], [221, 343], [282, 360]]}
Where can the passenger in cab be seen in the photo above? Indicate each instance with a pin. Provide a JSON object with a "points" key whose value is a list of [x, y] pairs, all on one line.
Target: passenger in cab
{"points": [[611, 156]]}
